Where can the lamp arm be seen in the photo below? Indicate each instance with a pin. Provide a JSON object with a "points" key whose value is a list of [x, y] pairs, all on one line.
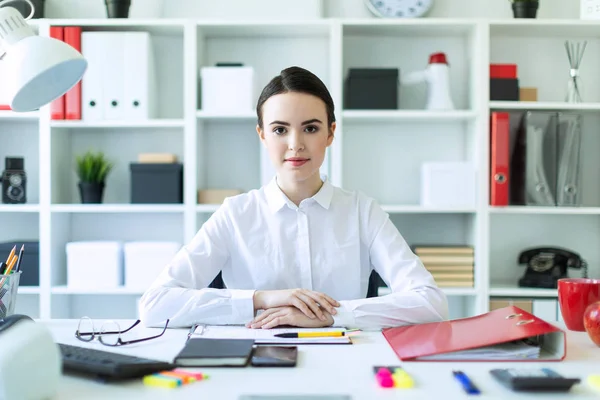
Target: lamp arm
{"points": [[5, 2]]}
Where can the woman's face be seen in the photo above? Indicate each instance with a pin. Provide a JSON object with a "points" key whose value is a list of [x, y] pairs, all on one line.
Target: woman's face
{"points": [[296, 134]]}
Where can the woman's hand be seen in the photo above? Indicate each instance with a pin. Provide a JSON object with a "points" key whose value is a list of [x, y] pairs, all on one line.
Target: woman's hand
{"points": [[312, 304], [288, 315]]}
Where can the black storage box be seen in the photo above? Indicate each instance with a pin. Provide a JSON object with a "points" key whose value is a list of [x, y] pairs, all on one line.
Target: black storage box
{"points": [[30, 266], [372, 89], [506, 89], [156, 183]]}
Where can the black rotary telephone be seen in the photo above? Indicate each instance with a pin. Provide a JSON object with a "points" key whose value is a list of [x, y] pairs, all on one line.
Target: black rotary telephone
{"points": [[546, 265]]}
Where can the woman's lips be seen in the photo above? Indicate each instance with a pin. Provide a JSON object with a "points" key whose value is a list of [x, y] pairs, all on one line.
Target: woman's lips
{"points": [[296, 162]]}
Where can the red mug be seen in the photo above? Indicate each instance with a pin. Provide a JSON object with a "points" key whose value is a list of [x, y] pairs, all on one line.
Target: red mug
{"points": [[574, 295]]}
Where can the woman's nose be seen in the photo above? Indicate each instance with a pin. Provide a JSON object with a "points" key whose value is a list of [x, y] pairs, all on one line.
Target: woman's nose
{"points": [[295, 142]]}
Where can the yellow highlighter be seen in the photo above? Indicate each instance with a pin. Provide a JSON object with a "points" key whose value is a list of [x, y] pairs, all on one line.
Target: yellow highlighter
{"points": [[402, 379], [310, 334], [159, 380], [594, 381]]}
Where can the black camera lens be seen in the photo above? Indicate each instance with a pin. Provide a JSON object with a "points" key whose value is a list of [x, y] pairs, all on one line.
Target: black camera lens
{"points": [[15, 193]]}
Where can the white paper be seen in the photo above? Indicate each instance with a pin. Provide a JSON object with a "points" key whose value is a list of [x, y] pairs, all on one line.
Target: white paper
{"points": [[267, 336], [503, 351]]}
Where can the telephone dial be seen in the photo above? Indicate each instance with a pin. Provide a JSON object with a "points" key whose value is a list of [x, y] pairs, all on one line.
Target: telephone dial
{"points": [[546, 265]]}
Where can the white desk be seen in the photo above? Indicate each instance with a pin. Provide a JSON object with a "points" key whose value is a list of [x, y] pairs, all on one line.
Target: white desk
{"points": [[345, 369]]}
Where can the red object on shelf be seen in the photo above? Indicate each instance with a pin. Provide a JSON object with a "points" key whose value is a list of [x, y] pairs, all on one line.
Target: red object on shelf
{"points": [[73, 96], [499, 158], [57, 107], [438, 58], [503, 71]]}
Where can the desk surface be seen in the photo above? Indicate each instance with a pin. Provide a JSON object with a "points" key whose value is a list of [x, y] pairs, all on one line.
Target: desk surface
{"points": [[322, 369]]}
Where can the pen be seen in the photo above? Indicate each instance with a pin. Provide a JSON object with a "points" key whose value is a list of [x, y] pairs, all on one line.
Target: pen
{"points": [[18, 267], [2, 267], [11, 254], [466, 383], [310, 334]]}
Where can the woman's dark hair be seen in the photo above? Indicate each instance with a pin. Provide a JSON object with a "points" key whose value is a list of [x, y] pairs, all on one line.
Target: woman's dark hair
{"points": [[296, 79]]}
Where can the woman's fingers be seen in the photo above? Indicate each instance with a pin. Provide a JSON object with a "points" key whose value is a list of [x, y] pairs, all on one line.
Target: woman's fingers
{"points": [[275, 322], [268, 320], [323, 301], [262, 316], [309, 301], [300, 305]]}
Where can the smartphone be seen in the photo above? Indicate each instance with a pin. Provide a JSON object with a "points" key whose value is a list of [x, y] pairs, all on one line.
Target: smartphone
{"points": [[274, 356]]}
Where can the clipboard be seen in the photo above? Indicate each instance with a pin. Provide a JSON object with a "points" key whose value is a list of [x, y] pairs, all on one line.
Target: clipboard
{"points": [[500, 335]]}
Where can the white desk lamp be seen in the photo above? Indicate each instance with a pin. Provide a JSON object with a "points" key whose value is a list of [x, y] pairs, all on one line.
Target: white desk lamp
{"points": [[37, 69]]}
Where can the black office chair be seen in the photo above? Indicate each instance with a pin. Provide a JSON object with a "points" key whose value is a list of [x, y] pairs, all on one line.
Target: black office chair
{"points": [[375, 282]]}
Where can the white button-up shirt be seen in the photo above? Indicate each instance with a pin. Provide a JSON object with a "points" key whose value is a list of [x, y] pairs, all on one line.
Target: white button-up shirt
{"points": [[261, 240]]}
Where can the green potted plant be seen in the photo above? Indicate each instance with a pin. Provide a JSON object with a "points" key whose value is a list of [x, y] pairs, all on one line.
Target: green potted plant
{"points": [[525, 8], [92, 169]]}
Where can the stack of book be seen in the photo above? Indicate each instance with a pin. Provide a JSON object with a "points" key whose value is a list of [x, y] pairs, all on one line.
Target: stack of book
{"points": [[451, 266]]}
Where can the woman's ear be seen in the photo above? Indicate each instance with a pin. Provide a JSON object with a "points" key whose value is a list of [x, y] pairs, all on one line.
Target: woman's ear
{"points": [[331, 133], [261, 133]]}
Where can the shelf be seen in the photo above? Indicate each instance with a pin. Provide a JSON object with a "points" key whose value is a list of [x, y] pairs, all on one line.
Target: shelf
{"points": [[416, 209], [26, 208], [408, 115], [209, 116], [448, 291], [28, 290], [152, 123], [545, 210], [117, 208], [423, 27], [156, 26], [508, 291], [546, 28], [543, 105], [116, 291], [265, 28], [207, 208], [15, 116]]}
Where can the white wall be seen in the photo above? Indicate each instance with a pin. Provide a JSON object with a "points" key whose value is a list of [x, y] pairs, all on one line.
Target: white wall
{"points": [[296, 9]]}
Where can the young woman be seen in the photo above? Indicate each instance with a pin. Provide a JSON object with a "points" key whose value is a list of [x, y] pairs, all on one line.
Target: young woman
{"points": [[298, 249]]}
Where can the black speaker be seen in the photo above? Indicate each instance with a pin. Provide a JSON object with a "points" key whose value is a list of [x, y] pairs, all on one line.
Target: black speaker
{"points": [[14, 181]]}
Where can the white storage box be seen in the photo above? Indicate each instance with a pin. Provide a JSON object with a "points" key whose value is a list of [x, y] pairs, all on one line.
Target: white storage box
{"points": [[145, 260], [94, 265], [227, 90], [448, 184]]}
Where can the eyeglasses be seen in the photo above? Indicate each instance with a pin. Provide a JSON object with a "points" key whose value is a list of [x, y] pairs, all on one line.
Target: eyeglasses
{"points": [[110, 332]]}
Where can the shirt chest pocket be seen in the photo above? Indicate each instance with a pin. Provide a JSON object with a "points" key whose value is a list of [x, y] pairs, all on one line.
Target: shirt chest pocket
{"points": [[338, 264]]}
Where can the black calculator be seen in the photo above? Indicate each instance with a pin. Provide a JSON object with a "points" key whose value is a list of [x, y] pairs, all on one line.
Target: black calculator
{"points": [[534, 379]]}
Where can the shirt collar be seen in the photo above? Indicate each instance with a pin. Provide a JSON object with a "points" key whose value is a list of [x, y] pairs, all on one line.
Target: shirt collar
{"points": [[277, 199]]}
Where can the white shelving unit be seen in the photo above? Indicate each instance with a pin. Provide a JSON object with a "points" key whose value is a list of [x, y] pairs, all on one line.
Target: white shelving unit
{"points": [[377, 152]]}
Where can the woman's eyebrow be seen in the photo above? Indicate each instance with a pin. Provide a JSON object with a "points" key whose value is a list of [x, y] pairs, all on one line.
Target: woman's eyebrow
{"points": [[312, 121], [280, 123]]}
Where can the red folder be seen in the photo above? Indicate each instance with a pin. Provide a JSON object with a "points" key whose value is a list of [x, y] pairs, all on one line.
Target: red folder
{"points": [[499, 158], [57, 106], [468, 339], [72, 100]]}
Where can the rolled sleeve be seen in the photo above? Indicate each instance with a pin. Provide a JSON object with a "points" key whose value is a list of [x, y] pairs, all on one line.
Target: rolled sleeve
{"points": [[242, 302]]}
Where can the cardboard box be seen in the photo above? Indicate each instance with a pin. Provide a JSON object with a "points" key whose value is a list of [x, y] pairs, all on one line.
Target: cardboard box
{"points": [[215, 196], [527, 94], [158, 158]]}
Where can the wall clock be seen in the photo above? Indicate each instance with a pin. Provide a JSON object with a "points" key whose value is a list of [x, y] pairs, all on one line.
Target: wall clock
{"points": [[399, 8]]}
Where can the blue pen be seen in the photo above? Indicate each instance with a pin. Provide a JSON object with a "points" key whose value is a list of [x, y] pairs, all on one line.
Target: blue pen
{"points": [[466, 383]]}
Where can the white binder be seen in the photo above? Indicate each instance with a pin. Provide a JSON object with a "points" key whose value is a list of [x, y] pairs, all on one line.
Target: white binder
{"points": [[139, 98], [92, 48], [113, 75]]}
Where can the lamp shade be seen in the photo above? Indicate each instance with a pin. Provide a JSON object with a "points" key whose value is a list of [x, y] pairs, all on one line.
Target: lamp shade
{"points": [[39, 70], [35, 70]]}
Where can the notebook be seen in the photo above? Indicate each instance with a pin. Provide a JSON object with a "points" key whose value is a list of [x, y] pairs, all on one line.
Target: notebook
{"points": [[267, 336], [199, 352]]}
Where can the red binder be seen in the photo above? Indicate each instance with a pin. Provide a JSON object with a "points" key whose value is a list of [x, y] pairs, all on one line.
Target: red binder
{"points": [[499, 158], [73, 96], [468, 339], [57, 107]]}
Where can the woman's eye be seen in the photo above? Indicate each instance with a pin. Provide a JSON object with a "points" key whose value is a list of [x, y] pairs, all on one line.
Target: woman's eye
{"points": [[311, 129], [279, 130]]}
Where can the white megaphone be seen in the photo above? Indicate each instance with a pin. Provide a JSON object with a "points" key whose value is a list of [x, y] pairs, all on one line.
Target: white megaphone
{"points": [[437, 77]]}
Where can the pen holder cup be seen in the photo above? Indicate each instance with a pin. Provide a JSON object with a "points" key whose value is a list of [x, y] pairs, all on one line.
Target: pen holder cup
{"points": [[9, 286]]}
